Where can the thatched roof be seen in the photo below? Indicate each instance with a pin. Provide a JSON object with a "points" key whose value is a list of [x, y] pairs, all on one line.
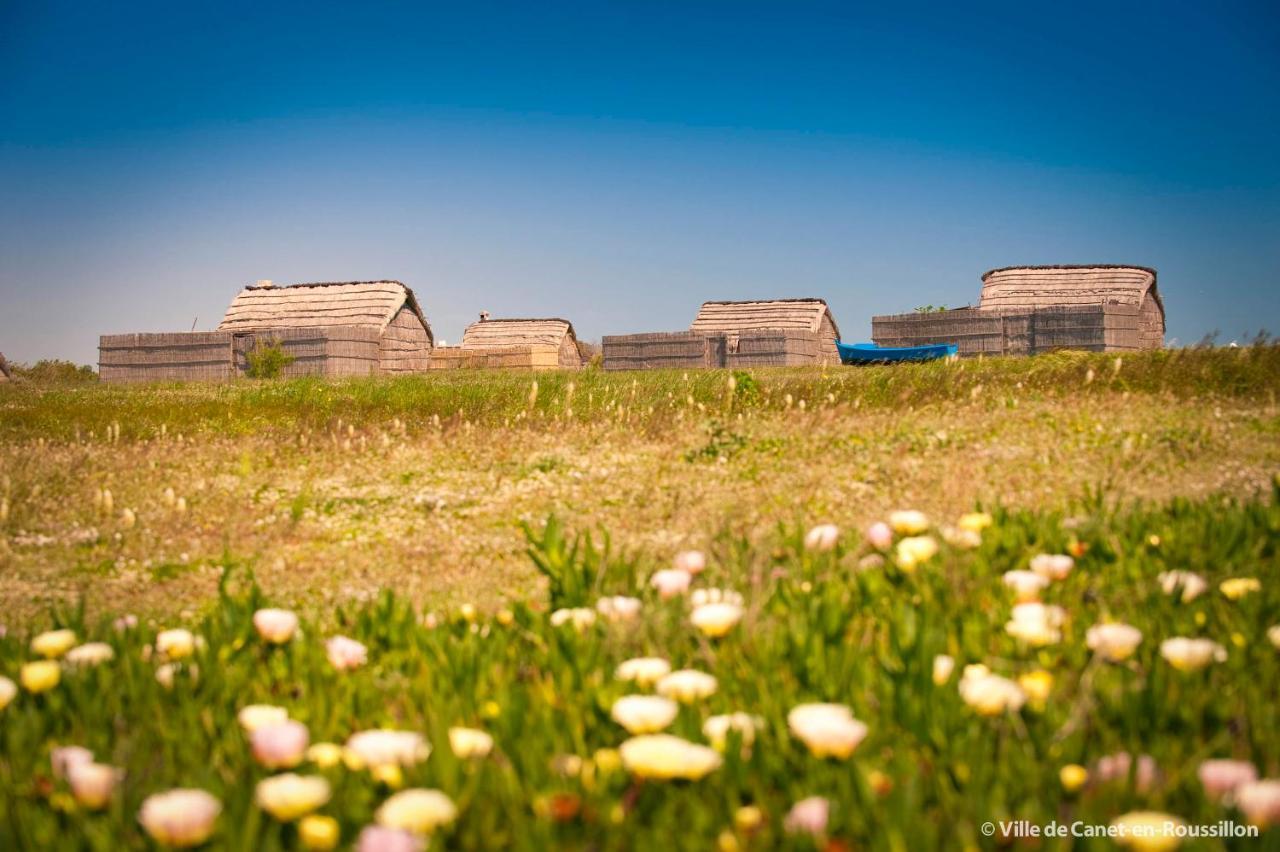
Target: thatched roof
{"points": [[806, 314], [1040, 286], [364, 303], [490, 333]]}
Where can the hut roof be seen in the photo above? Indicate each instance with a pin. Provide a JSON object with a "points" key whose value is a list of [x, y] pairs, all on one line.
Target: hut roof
{"points": [[366, 303], [517, 332], [1039, 286], [773, 313]]}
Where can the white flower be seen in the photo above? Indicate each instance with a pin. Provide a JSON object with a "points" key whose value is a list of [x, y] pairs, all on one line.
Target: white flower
{"points": [[828, 730], [417, 811], [822, 538], [645, 671], [1036, 624], [1026, 585], [670, 582], [275, 626], [1259, 801], [716, 619], [180, 818], [989, 693], [8, 691], [90, 654], [92, 783], [914, 550], [290, 796], [943, 666], [64, 758], [1273, 635], [714, 595], [664, 757], [580, 617], [1191, 584], [1052, 566], [175, 644], [717, 728], [345, 654], [644, 714], [469, 743], [1190, 655], [1114, 642], [618, 608], [384, 747], [254, 716], [687, 685]]}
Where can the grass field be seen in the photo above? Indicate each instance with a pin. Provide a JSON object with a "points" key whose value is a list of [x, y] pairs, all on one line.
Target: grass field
{"points": [[442, 520]]}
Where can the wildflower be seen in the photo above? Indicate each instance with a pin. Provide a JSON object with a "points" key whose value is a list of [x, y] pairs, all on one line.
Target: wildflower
{"points": [[505, 617], [716, 619], [319, 833], [1237, 587], [469, 743], [690, 561], [975, 521], [1052, 566], [822, 538], [1072, 777], [644, 714], [607, 760], [125, 623], [664, 757], [53, 643], [914, 550], [1113, 642], [63, 758], [716, 729], [961, 539], [92, 783], [1190, 655], [275, 626], [1273, 635], [8, 691], [389, 775], [1191, 584], [1148, 831], [943, 666], [254, 716], [417, 811], [1026, 585], [714, 595], [828, 730], [280, 745], [808, 816], [290, 796], [177, 644], [1259, 801], [180, 817], [383, 747], [345, 653], [908, 522], [40, 676], [687, 685], [128, 518], [580, 617], [1221, 777], [618, 608], [880, 535], [748, 818], [90, 654], [644, 671], [1116, 767], [467, 612], [988, 693], [670, 582], [1037, 686], [375, 838], [325, 755], [1036, 624]]}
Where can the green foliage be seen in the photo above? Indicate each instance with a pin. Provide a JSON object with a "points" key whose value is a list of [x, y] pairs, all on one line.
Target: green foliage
{"points": [[574, 568], [930, 309], [54, 372], [267, 360], [722, 443]]}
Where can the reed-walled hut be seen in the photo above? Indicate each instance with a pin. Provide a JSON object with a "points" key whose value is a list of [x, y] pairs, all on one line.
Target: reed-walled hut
{"points": [[352, 328], [1030, 309], [757, 333], [538, 344]]}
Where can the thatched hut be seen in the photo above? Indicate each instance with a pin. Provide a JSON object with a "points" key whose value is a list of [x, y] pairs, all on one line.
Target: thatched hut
{"points": [[757, 333], [538, 344], [349, 328], [1030, 309]]}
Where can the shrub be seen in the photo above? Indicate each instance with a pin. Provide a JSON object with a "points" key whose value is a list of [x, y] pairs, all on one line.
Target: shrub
{"points": [[267, 360]]}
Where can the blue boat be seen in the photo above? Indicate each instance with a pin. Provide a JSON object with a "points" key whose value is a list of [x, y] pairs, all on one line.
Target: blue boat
{"points": [[869, 353]]}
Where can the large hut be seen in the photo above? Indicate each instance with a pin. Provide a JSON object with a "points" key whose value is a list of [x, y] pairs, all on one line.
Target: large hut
{"points": [[329, 329], [1030, 309], [538, 344], [757, 333]]}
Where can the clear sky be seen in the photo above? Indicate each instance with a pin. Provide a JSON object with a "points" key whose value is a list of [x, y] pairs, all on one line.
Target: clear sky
{"points": [[617, 164]]}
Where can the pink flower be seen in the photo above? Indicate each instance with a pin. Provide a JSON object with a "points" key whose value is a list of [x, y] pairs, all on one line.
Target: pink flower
{"points": [[670, 582], [180, 818], [822, 538], [880, 535], [64, 759], [281, 745], [808, 816], [1259, 801], [1221, 777], [345, 653], [375, 838], [1115, 767], [690, 561]]}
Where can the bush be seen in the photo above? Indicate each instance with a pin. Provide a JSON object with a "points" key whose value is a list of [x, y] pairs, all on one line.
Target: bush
{"points": [[267, 360], [54, 371]]}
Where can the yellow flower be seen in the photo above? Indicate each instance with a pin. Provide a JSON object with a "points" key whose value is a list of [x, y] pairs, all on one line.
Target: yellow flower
{"points": [[1190, 655], [727, 842], [40, 676], [664, 757], [180, 818], [1073, 776], [388, 775], [505, 617], [908, 522], [469, 743], [289, 796], [1037, 685], [53, 643], [468, 612], [975, 521], [1149, 831], [914, 550], [644, 714], [828, 730], [325, 755], [418, 811], [643, 671], [1237, 587], [748, 818], [8, 691], [1114, 642], [687, 685], [716, 619], [318, 833]]}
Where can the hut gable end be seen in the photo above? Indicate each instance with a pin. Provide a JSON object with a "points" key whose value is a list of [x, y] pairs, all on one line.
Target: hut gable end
{"points": [[1044, 286], [810, 315], [490, 333], [352, 303]]}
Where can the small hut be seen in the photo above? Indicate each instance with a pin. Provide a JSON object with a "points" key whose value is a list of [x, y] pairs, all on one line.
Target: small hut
{"points": [[352, 328], [1030, 309], [757, 333], [538, 344]]}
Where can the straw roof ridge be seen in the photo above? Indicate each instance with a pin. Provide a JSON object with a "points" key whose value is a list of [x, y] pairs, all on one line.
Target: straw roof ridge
{"points": [[1136, 293], [1071, 266], [531, 319], [410, 298], [762, 301], [805, 311]]}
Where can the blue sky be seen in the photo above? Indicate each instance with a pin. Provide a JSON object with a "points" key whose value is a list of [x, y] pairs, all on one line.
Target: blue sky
{"points": [[619, 163]]}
